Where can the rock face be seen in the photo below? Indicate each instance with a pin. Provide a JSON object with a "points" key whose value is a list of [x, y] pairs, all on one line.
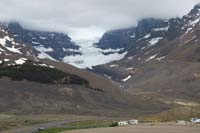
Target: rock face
{"points": [[126, 38], [149, 31], [12, 52], [60, 47], [48, 44], [163, 58]]}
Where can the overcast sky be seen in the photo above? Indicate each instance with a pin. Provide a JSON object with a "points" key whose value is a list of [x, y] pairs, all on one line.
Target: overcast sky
{"points": [[81, 17]]}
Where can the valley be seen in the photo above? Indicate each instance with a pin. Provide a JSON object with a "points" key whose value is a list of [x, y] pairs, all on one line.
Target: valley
{"points": [[149, 71]]}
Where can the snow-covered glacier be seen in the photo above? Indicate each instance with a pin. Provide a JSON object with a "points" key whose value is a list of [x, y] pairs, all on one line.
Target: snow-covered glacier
{"points": [[91, 55]]}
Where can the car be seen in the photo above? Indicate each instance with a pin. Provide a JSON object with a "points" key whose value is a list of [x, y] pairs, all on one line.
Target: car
{"points": [[40, 129]]}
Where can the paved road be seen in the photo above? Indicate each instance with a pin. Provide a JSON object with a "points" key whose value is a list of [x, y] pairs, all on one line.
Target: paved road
{"points": [[33, 129]]}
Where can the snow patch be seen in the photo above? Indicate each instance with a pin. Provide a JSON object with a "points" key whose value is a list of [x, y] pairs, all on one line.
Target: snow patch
{"points": [[43, 49], [151, 57], [15, 35], [127, 78], [36, 43], [161, 29], [188, 30], [42, 52], [194, 22], [12, 49], [191, 24], [160, 58], [108, 76], [132, 36], [43, 38], [147, 36], [70, 50], [21, 61], [130, 68], [114, 65], [6, 60], [111, 50], [45, 65], [52, 35], [7, 38], [194, 37], [130, 58], [2, 50], [52, 66], [154, 41], [3, 41], [43, 55]]}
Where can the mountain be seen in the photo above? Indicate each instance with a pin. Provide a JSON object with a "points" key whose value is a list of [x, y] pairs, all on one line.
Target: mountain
{"points": [[162, 59], [30, 85], [51, 45], [59, 46], [11, 52], [155, 68], [122, 38], [149, 31]]}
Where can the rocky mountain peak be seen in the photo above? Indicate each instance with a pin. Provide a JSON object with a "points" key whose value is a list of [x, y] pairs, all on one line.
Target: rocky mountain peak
{"points": [[196, 10], [12, 52]]}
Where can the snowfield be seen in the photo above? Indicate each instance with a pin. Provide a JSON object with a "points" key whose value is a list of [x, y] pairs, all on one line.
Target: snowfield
{"points": [[91, 55]]}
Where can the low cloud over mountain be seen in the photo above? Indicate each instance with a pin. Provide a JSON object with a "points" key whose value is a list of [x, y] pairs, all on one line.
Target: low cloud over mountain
{"points": [[83, 16]]}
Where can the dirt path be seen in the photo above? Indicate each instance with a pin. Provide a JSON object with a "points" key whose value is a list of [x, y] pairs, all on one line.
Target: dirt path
{"points": [[142, 129]]}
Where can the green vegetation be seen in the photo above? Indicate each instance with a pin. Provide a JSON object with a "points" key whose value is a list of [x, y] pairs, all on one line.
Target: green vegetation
{"points": [[91, 124], [8, 121], [12, 121], [114, 124], [41, 74], [55, 130], [8, 124], [81, 125]]}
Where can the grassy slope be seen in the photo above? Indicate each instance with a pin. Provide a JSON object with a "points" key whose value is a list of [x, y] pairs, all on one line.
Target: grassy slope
{"points": [[80, 125], [180, 113]]}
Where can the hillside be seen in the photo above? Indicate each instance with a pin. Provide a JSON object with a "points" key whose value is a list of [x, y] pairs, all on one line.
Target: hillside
{"points": [[30, 85], [162, 59], [159, 70]]}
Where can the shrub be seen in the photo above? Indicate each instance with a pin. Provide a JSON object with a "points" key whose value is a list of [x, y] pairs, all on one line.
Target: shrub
{"points": [[114, 124], [41, 74]]}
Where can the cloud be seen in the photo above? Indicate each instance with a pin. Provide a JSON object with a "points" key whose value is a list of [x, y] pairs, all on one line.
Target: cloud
{"points": [[72, 16]]}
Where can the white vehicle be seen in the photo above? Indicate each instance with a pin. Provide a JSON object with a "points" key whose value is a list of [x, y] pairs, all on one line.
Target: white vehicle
{"points": [[195, 120], [133, 122], [123, 123], [40, 129]]}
